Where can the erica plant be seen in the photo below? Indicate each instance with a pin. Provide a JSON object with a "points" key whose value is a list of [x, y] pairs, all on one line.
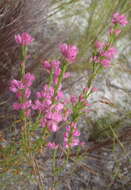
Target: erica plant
{"points": [[50, 110]]}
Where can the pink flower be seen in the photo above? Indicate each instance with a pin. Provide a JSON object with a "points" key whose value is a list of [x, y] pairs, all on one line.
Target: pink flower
{"points": [[99, 45], [81, 98], [52, 65], [85, 90], [94, 89], [55, 80], [46, 65], [67, 75], [71, 136], [60, 95], [47, 103], [27, 93], [55, 64], [26, 104], [95, 59], [23, 39], [68, 128], [37, 105], [115, 31], [16, 106], [28, 79], [73, 99], [43, 122], [106, 63], [19, 94], [47, 92], [59, 107], [55, 116], [110, 53], [66, 145], [76, 133], [52, 145], [53, 126], [118, 18], [15, 85], [57, 72], [88, 104], [75, 142], [73, 124], [38, 95], [69, 51]]}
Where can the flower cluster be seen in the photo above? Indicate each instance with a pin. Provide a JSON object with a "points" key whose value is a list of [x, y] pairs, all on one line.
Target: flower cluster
{"points": [[118, 18], [52, 112], [69, 51], [56, 112], [22, 90], [104, 50], [105, 54], [24, 39], [53, 65], [71, 136], [79, 107], [117, 21], [80, 103], [54, 69]]}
